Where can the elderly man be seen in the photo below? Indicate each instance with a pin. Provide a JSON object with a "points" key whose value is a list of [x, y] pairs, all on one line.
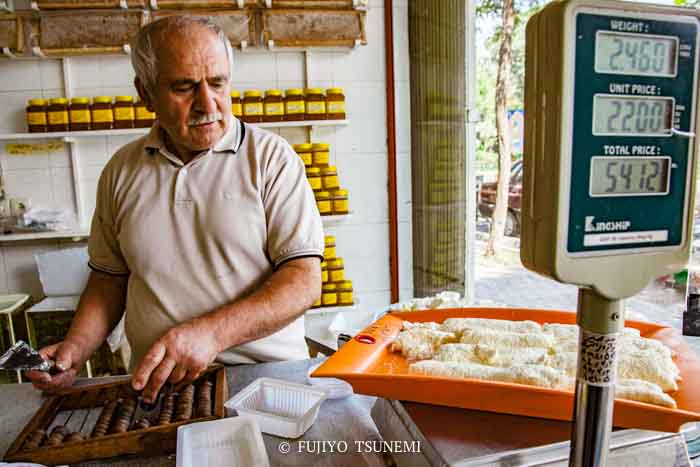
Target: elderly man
{"points": [[205, 231]]}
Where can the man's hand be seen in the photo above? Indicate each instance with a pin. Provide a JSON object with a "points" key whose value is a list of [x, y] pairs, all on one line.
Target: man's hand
{"points": [[179, 356], [68, 359]]}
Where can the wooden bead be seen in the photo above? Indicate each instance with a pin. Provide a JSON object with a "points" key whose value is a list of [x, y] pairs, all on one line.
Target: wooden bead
{"points": [[59, 432], [142, 423], [105, 418], [34, 439], [75, 436]]}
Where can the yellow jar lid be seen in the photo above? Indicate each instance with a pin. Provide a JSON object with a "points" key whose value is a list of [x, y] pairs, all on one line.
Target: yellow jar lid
{"points": [[339, 192], [324, 265], [320, 146], [314, 91], [102, 100], [273, 92], [334, 91], [124, 99], [37, 102], [304, 147], [235, 93], [80, 100], [294, 92], [330, 287], [345, 285], [329, 239], [315, 171], [252, 93], [322, 194], [58, 100], [335, 263], [328, 170]]}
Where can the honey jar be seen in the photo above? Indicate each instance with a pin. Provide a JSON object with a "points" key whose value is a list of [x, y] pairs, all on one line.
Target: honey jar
{"points": [[339, 201], [252, 106], [320, 155], [324, 272], [335, 104], [329, 295], [329, 178], [273, 107], [315, 104], [344, 289], [124, 112], [57, 113], [304, 151], [101, 113], [316, 304], [79, 114], [323, 201], [336, 270], [294, 105], [236, 106], [329, 247], [36, 116], [144, 118], [313, 174]]}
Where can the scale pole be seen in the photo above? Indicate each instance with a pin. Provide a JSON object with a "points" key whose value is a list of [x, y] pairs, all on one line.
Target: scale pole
{"points": [[600, 321]]}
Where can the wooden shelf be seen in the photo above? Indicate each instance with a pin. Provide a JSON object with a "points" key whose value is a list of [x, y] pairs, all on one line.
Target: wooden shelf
{"points": [[330, 221], [68, 135], [332, 309]]}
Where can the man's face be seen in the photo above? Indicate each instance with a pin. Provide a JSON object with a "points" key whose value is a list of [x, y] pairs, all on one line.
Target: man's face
{"points": [[192, 97]]}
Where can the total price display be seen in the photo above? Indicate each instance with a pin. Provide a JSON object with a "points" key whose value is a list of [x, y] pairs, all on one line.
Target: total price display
{"points": [[636, 54], [629, 176], [632, 115]]}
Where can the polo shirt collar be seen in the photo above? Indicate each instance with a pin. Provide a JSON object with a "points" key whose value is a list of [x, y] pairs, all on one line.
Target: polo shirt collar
{"points": [[229, 143]]}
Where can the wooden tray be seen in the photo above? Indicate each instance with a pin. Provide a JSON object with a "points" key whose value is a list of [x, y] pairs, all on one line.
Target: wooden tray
{"points": [[368, 365], [159, 439]]}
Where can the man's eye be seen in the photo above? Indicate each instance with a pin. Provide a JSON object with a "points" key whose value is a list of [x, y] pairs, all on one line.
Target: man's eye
{"points": [[185, 88]]}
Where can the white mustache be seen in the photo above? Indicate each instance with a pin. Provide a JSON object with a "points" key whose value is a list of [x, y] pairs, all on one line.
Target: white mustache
{"points": [[208, 118]]}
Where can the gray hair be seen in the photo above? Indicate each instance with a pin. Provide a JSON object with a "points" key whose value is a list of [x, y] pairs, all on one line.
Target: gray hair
{"points": [[144, 46]]}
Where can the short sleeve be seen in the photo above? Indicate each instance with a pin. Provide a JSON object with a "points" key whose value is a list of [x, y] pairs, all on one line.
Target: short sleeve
{"points": [[293, 221], [103, 246]]}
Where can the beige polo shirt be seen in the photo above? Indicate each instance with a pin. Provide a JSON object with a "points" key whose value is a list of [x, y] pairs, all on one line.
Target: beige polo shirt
{"points": [[197, 236]]}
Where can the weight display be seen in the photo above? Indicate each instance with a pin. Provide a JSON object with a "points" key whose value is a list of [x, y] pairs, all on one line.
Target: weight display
{"points": [[631, 115], [629, 176], [623, 53]]}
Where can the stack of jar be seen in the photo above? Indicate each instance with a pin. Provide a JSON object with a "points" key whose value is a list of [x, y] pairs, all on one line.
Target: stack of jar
{"points": [[331, 199], [336, 290], [60, 114], [295, 105]]}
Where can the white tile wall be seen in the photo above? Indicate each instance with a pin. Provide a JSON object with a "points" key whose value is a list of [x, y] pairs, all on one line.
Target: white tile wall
{"points": [[359, 150]]}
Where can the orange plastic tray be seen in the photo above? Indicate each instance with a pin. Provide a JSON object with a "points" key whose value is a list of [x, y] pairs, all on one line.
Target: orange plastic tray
{"points": [[367, 364]]}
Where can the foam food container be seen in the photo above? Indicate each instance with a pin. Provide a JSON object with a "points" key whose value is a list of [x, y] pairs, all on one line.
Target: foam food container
{"points": [[279, 407]]}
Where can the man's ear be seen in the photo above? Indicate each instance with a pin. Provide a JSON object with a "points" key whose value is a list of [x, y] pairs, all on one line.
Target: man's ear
{"points": [[143, 94]]}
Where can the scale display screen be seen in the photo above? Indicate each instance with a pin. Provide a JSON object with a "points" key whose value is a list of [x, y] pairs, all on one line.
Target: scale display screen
{"points": [[638, 54], [618, 115], [629, 176]]}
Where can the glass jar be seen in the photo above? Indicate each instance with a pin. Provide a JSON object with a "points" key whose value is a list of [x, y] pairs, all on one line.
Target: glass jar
{"points": [[313, 174], [329, 247], [336, 270], [144, 118], [329, 295], [273, 107], [101, 113], [335, 104], [323, 201], [79, 113], [36, 116], [329, 178], [236, 106], [315, 104], [324, 272], [57, 113], [252, 106], [124, 112], [344, 289], [294, 104], [304, 151], [320, 155], [339, 201]]}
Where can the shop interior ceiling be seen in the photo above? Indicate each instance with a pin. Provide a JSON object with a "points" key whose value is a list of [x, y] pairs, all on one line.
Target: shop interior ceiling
{"points": [[49, 27]]}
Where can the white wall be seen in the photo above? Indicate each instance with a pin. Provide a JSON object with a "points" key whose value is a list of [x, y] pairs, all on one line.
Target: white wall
{"points": [[359, 150]]}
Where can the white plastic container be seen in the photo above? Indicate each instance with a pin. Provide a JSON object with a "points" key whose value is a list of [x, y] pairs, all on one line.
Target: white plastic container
{"points": [[280, 408], [234, 442]]}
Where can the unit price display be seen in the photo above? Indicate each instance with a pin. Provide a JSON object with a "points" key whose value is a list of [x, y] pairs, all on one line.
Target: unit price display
{"points": [[632, 115], [636, 54], [629, 176]]}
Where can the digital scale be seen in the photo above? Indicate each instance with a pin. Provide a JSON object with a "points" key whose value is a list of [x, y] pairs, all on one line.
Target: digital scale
{"points": [[608, 187]]}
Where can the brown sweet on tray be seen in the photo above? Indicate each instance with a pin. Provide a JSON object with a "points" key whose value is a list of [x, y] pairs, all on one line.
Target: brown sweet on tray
{"points": [[99, 421]]}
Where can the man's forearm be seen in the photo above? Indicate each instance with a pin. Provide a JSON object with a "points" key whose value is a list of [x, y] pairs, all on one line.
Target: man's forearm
{"points": [[99, 311], [284, 296]]}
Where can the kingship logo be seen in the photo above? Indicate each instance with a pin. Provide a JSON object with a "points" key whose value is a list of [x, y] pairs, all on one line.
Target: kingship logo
{"points": [[610, 226]]}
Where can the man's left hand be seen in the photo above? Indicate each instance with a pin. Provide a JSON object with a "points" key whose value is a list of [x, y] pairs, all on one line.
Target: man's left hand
{"points": [[179, 356]]}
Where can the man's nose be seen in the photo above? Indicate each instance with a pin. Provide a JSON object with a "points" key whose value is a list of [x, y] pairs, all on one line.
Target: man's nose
{"points": [[204, 100]]}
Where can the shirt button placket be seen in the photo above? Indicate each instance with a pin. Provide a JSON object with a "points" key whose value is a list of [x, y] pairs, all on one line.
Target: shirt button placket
{"points": [[180, 187]]}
